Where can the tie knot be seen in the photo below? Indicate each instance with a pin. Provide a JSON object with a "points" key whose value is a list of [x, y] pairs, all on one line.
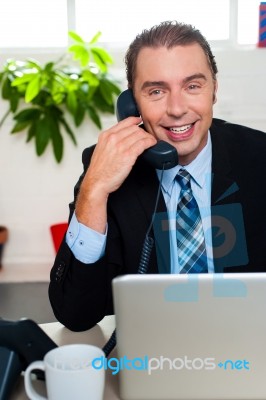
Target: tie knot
{"points": [[183, 178]]}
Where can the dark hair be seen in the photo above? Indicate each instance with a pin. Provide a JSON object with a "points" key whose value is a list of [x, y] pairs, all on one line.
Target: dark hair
{"points": [[168, 34]]}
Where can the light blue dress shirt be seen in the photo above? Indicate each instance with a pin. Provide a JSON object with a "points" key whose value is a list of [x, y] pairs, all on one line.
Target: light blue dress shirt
{"points": [[200, 171], [88, 246]]}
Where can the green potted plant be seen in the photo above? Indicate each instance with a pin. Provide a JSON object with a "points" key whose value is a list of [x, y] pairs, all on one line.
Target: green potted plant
{"points": [[40, 96]]}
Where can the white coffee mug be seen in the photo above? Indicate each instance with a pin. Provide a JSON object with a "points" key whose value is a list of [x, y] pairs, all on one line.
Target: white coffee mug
{"points": [[70, 373]]}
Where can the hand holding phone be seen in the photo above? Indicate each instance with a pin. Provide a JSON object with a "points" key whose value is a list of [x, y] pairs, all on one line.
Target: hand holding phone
{"points": [[162, 155], [110, 164], [113, 159]]}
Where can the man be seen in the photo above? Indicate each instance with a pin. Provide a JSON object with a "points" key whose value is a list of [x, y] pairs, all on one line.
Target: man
{"points": [[172, 73]]}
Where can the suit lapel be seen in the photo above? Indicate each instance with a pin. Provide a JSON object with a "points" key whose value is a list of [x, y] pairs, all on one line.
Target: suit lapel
{"points": [[223, 184], [225, 194]]}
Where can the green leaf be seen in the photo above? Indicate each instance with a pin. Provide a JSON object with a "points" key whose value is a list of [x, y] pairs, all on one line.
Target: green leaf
{"points": [[84, 58], [42, 134], [31, 132], [79, 115], [94, 116], [20, 80], [20, 126], [14, 102], [49, 67], [55, 112], [6, 89], [75, 37], [80, 53], [112, 87], [68, 130], [76, 48], [58, 144], [58, 97], [103, 54], [105, 92], [101, 104], [89, 77], [33, 89], [21, 90], [72, 102], [99, 62], [92, 91], [31, 63], [95, 38], [28, 114]]}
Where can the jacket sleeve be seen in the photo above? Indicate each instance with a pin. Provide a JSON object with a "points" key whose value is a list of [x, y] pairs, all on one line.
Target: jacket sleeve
{"points": [[80, 294]]}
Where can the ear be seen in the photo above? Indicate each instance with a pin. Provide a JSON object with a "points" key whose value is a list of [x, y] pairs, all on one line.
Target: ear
{"points": [[215, 91]]}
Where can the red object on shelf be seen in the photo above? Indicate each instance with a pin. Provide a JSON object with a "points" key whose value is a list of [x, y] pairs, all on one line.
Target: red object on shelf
{"points": [[58, 232]]}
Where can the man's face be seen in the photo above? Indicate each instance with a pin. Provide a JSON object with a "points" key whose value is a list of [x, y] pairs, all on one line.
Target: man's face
{"points": [[175, 93]]}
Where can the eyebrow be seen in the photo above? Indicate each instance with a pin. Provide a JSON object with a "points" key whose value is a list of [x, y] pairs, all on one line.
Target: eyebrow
{"points": [[195, 76], [148, 84]]}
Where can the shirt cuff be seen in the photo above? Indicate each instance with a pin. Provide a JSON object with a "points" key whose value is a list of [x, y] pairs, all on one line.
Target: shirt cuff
{"points": [[87, 245]]}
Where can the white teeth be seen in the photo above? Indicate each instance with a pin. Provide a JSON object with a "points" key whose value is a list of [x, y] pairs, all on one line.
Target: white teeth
{"points": [[181, 129]]}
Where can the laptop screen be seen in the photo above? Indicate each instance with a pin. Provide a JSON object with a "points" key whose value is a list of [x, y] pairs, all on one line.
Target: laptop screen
{"points": [[191, 336]]}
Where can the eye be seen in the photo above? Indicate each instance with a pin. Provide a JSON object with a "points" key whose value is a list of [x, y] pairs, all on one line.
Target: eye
{"points": [[193, 86], [156, 92]]}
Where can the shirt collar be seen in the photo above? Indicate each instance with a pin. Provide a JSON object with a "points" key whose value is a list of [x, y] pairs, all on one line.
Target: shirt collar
{"points": [[199, 168]]}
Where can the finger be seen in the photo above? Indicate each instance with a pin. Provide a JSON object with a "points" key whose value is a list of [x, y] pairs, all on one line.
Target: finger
{"points": [[122, 126], [114, 138], [129, 121], [135, 142]]}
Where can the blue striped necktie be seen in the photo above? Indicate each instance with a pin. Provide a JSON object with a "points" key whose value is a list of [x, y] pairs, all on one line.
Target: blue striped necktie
{"points": [[190, 237]]}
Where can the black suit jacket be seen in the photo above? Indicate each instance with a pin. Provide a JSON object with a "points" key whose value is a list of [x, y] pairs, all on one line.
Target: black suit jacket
{"points": [[81, 294]]}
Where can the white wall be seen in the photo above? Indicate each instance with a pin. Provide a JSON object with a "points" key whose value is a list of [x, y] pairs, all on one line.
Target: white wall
{"points": [[35, 192], [242, 87]]}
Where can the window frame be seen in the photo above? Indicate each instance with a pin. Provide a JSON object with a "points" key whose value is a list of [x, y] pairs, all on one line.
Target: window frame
{"points": [[230, 43]]}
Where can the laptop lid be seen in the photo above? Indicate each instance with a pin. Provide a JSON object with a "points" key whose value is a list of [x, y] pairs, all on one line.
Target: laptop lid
{"points": [[194, 337]]}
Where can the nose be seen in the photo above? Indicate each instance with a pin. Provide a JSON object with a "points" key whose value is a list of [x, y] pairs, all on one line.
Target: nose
{"points": [[176, 104]]}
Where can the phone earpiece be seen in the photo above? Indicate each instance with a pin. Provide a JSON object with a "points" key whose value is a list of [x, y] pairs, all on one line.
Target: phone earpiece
{"points": [[126, 105]]}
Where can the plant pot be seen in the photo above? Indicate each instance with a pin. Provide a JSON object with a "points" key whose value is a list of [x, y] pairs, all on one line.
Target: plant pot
{"points": [[3, 240], [58, 232]]}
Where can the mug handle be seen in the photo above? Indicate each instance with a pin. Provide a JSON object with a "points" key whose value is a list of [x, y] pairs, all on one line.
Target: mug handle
{"points": [[31, 392]]}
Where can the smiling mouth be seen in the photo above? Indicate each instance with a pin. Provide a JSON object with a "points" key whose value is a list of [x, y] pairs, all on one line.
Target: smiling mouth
{"points": [[180, 129]]}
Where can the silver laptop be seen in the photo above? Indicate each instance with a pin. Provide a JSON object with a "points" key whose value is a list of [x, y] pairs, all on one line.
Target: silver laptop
{"points": [[194, 337]]}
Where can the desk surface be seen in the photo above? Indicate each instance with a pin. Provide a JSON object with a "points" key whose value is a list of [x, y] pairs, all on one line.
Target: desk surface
{"points": [[97, 336]]}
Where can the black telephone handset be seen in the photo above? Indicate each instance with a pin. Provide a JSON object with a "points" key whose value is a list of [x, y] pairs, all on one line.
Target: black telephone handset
{"points": [[162, 155]]}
